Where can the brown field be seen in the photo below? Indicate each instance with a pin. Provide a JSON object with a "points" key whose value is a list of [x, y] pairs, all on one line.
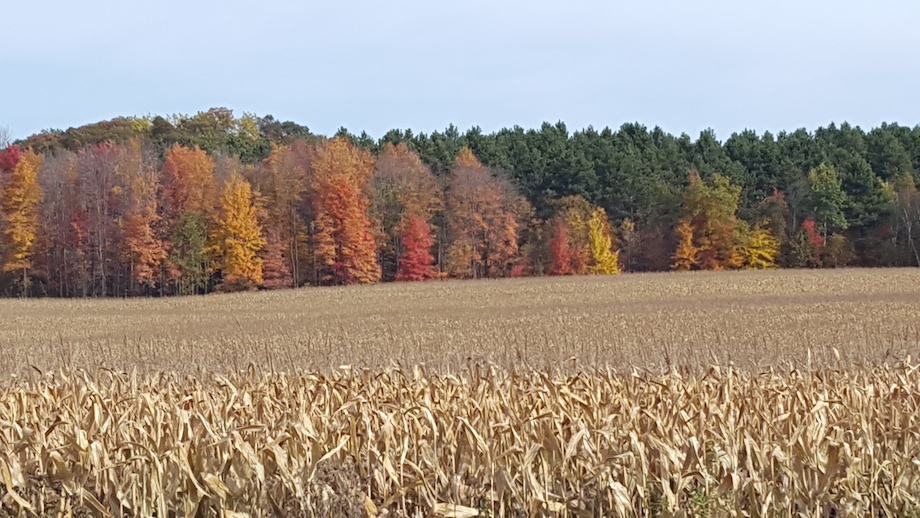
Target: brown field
{"points": [[712, 394], [749, 318]]}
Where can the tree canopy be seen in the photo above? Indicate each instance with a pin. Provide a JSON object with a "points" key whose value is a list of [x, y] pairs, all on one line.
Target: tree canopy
{"points": [[159, 205]]}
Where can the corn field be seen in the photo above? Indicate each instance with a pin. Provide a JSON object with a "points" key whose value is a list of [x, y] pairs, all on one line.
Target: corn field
{"points": [[482, 442], [762, 394]]}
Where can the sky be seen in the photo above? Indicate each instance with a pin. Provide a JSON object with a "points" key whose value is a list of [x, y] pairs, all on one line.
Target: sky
{"points": [[373, 66]]}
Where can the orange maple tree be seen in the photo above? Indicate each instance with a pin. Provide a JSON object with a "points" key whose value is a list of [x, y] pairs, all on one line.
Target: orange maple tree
{"points": [[482, 219], [344, 250], [189, 185], [145, 249]]}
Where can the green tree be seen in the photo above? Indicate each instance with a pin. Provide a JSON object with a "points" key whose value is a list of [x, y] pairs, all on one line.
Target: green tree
{"points": [[188, 254], [826, 199]]}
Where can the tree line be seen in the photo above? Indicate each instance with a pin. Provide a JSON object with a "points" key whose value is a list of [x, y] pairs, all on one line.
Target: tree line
{"points": [[213, 202]]}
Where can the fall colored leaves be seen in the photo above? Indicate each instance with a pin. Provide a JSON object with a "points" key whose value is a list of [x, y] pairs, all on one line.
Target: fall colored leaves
{"points": [[710, 236], [124, 219], [21, 195]]}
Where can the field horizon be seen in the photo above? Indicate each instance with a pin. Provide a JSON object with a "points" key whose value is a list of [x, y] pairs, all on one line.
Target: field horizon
{"points": [[647, 320]]}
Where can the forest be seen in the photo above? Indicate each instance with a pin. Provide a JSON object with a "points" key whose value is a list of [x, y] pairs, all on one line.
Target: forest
{"points": [[192, 204]]}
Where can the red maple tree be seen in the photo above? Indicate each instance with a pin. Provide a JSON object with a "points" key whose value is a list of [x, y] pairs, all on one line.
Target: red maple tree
{"points": [[416, 261], [560, 250], [9, 157]]}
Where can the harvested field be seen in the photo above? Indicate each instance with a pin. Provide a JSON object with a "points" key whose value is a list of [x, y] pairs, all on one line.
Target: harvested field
{"points": [[712, 394], [748, 318]]}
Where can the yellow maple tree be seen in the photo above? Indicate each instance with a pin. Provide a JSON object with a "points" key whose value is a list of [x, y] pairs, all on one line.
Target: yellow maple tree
{"points": [[237, 236], [21, 196], [759, 249], [604, 260]]}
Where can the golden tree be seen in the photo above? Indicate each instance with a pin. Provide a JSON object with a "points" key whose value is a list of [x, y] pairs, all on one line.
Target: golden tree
{"points": [[686, 255], [236, 239], [21, 195], [759, 249], [603, 259]]}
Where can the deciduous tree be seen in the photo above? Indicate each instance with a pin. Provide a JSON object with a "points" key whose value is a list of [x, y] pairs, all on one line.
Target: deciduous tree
{"points": [[344, 250], [416, 262], [759, 248], [686, 255], [402, 187], [237, 237], [482, 219], [604, 260], [20, 195], [560, 249], [146, 249]]}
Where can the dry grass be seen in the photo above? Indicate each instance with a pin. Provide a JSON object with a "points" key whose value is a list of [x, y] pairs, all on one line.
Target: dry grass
{"points": [[555, 397], [768, 318]]}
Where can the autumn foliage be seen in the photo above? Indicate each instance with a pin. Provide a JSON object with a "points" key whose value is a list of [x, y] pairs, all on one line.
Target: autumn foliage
{"points": [[9, 157], [560, 249], [482, 218], [21, 195], [344, 250], [254, 203], [416, 262], [237, 237]]}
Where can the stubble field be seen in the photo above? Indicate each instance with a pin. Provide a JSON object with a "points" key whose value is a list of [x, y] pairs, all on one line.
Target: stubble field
{"points": [[741, 394]]}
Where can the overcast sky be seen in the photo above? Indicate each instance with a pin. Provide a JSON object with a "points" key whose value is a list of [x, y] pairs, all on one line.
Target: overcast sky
{"points": [[684, 66]]}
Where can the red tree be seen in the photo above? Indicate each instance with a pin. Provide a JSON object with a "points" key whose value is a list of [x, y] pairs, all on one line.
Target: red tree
{"points": [[416, 262], [560, 250], [814, 238], [9, 158]]}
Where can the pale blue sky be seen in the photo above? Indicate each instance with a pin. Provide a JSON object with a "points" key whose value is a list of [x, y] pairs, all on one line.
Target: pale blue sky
{"points": [[372, 66]]}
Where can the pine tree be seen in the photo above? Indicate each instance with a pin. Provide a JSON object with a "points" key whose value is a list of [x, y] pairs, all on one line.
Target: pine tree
{"points": [[416, 262]]}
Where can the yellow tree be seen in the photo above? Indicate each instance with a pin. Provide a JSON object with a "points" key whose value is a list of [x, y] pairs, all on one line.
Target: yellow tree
{"points": [[237, 237], [687, 254], [759, 249], [21, 195], [604, 260]]}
